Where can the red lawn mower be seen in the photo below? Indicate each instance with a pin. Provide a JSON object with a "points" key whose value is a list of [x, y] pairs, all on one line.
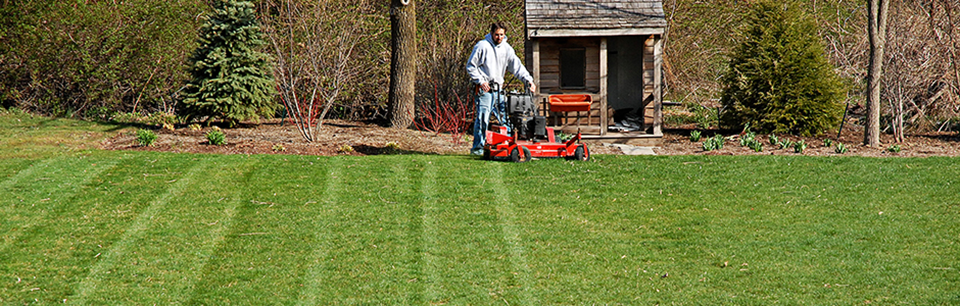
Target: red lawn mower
{"points": [[528, 135]]}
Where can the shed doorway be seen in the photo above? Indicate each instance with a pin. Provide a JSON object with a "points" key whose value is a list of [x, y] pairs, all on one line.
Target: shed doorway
{"points": [[626, 83]]}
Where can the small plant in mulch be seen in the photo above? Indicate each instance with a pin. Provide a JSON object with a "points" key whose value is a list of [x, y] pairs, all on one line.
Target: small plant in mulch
{"points": [[695, 136], [714, 143], [894, 149], [774, 140], [827, 142], [345, 149], [747, 136], [799, 146], [216, 137], [840, 149], [391, 148], [279, 148], [146, 138], [755, 145], [785, 143]]}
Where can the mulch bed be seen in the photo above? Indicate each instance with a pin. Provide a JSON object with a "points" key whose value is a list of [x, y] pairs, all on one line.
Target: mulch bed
{"points": [[338, 137]]}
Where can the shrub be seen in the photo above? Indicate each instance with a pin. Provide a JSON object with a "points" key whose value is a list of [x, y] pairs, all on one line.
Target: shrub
{"points": [[778, 78], [216, 137], [146, 138], [231, 77], [92, 58]]}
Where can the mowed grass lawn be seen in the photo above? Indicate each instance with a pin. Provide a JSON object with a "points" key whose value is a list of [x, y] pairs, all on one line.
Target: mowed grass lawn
{"points": [[86, 226]]}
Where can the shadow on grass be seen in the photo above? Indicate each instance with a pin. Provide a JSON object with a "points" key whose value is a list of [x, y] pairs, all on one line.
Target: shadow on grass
{"points": [[384, 150]]}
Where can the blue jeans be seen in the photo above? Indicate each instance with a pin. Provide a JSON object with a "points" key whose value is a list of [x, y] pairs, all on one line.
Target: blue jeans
{"points": [[485, 106]]}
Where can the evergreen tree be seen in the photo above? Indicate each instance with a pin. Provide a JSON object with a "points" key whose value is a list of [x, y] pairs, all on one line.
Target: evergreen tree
{"points": [[232, 80], [779, 79]]}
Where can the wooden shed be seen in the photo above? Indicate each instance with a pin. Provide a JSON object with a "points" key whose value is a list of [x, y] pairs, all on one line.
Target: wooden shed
{"points": [[607, 51]]}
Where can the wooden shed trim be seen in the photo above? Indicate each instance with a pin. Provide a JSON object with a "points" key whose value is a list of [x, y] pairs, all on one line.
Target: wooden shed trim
{"points": [[536, 33]]}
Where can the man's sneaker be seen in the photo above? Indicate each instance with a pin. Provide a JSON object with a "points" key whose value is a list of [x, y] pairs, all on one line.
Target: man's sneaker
{"points": [[477, 152]]}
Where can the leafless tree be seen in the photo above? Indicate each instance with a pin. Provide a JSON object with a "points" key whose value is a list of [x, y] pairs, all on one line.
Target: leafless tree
{"points": [[403, 61], [314, 45], [877, 32]]}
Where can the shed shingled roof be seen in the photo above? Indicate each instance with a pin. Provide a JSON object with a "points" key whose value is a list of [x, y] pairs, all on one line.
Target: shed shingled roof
{"points": [[584, 16]]}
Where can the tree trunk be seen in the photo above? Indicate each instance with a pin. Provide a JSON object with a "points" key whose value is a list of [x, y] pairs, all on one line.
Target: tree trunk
{"points": [[877, 31], [403, 69]]}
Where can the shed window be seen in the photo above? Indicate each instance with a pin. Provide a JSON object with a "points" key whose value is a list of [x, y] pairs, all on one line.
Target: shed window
{"points": [[573, 67]]}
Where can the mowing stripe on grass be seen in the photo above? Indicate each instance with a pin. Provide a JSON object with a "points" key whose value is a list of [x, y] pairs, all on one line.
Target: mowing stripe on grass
{"points": [[24, 208], [508, 217], [430, 266], [311, 295], [372, 236], [112, 258]]}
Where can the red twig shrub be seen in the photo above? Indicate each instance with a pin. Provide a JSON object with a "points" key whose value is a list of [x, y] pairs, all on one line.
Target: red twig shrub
{"points": [[439, 116]]}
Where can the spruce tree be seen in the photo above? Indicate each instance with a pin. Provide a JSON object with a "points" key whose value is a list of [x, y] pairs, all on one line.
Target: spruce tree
{"points": [[231, 77], [779, 79]]}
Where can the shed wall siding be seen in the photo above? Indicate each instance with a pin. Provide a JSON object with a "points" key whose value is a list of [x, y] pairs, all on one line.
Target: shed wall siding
{"points": [[550, 63]]}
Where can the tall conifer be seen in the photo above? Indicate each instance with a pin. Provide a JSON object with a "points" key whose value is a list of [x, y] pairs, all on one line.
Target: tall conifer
{"points": [[231, 77], [779, 79]]}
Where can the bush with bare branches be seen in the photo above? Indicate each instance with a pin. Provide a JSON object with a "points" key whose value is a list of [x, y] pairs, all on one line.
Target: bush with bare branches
{"points": [[314, 45]]}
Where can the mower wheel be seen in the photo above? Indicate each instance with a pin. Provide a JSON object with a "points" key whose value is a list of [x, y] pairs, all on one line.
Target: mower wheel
{"points": [[517, 157], [581, 153], [486, 154]]}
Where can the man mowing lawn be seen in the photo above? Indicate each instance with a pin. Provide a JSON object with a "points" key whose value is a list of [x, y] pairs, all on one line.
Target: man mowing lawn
{"points": [[489, 61]]}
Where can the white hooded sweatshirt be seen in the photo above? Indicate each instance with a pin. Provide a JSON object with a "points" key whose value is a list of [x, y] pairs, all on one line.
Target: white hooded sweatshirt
{"points": [[488, 62]]}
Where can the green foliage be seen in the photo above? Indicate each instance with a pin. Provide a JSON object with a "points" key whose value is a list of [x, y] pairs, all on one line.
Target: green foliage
{"points": [[345, 149], [799, 146], [748, 136], [827, 142], [785, 143], [755, 145], [391, 148], [155, 118], [778, 79], [91, 58], [773, 139], [279, 148], [714, 143], [894, 149], [146, 138], [231, 76], [216, 137], [695, 136], [840, 149]]}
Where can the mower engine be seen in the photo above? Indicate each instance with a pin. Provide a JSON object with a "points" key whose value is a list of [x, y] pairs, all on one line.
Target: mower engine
{"points": [[522, 113]]}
